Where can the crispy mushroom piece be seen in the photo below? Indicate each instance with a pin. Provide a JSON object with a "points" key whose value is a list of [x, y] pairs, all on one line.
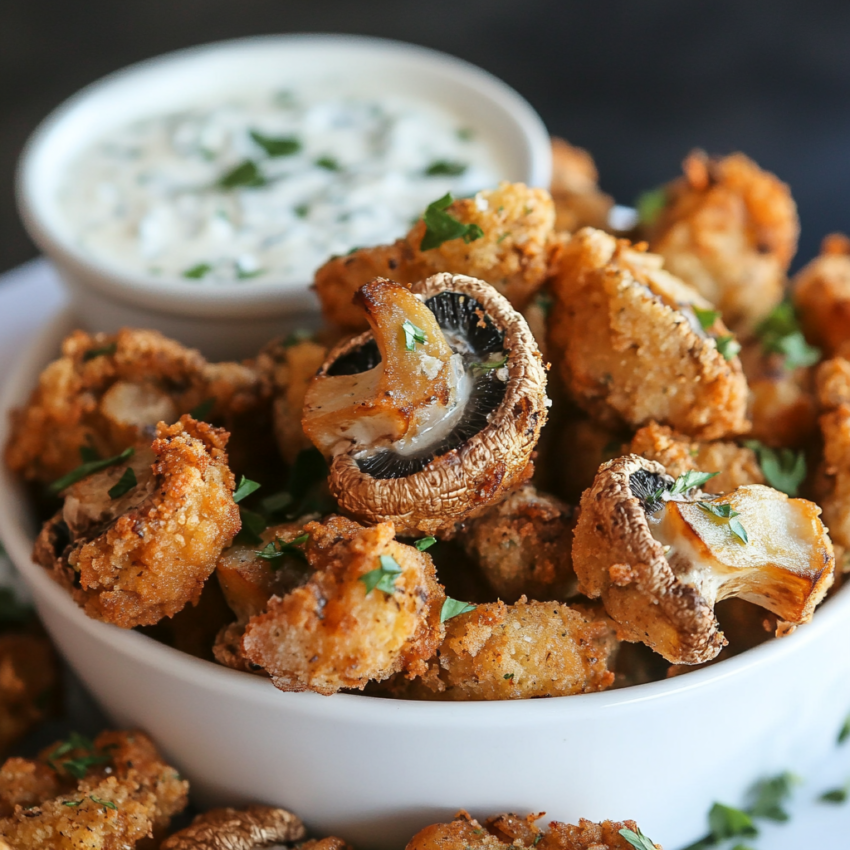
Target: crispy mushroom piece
{"points": [[631, 345], [575, 189], [132, 551], [661, 560], [238, 829], [435, 413]]}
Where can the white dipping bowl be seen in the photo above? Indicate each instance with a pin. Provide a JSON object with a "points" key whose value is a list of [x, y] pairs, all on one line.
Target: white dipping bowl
{"points": [[225, 320], [374, 771]]}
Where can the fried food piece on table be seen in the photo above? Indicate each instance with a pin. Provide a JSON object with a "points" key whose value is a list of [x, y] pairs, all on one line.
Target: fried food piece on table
{"points": [[106, 794], [523, 545], [508, 830], [530, 649], [730, 230], [371, 608], [631, 345], [575, 189], [238, 829], [735, 465], [108, 391], [504, 236], [134, 547]]}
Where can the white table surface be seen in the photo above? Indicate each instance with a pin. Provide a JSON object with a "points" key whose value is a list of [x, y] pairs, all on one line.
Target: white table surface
{"points": [[31, 294]]}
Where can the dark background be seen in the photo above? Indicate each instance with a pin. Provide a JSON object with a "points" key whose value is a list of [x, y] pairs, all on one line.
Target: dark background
{"points": [[638, 82]]}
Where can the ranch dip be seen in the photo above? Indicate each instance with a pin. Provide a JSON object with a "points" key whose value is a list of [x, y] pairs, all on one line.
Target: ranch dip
{"points": [[269, 186]]}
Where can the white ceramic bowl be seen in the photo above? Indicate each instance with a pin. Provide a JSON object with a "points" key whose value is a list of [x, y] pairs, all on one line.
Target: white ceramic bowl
{"points": [[375, 770], [226, 320]]}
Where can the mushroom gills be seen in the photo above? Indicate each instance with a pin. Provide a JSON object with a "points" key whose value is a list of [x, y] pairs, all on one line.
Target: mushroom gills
{"points": [[785, 566]]}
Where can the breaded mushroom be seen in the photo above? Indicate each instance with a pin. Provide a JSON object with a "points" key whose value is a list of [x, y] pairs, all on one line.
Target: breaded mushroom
{"points": [[510, 248], [530, 649], [82, 795], [251, 828], [630, 343], [134, 547], [523, 546], [730, 230], [371, 608], [575, 189], [108, 391], [735, 465]]}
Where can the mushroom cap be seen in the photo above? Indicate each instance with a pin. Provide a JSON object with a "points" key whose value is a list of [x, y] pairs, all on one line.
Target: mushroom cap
{"points": [[480, 471], [238, 829]]}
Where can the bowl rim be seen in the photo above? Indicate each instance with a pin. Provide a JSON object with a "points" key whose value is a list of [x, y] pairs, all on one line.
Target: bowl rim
{"points": [[353, 707], [37, 207]]}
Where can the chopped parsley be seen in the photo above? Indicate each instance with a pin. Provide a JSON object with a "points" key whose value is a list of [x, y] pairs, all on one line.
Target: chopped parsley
{"points": [[844, 732], [102, 351], [490, 365], [253, 525], [706, 318], [728, 513], [650, 204], [108, 803], [124, 484], [780, 333], [454, 607], [329, 163], [301, 210], [296, 337], [686, 481], [784, 469], [836, 795], [445, 168], [202, 411], [275, 551], [728, 346], [637, 839], [86, 469], [442, 227], [728, 822], [247, 174], [424, 543], [508, 676], [276, 145], [79, 766], [245, 488], [771, 795], [384, 577], [242, 274], [71, 802], [88, 454], [465, 134], [412, 335], [198, 271]]}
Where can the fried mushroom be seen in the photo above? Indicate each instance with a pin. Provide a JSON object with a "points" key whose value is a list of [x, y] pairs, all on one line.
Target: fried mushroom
{"points": [[730, 230], [131, 554], [238, 829], [435, 413], [370, 608], [630, 345], [575, 189], [661, 555]]}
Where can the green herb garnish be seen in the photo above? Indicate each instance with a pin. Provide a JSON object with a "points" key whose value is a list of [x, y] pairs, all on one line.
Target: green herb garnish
{"points": [[241, 274], [328, 163], [728, 513], [844, 732], [245, 488], [86, 469], [728, 346], [686, 481], [276, 145], [301, 210], [412, 335], [202, 411], [71, 802], [637, 839], [441, 227], [247, 174], [780, 333], [784, 469], [728, 822], [78, 767], [508, 676], [771, 795], [253, 525], [198, 271], [108, 803], [444, 168], [465, 133], [650, 204], [454, 607], [490, 365], [706, 318], [425, 543], [102, 351], [384, 577], [836, 795], [88, 454], [275, 551], [124, 484]]}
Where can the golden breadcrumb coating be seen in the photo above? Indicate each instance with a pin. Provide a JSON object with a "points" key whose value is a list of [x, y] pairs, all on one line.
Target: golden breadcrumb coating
{"points": [[821, 292], [333, 632], [144, 555], [736, 465], [513, 255], [127, 793], [530, 649], [833, 383], [290, 367], [108, 391], [575, 189], [730, 230], [630, 349], [523, 546], [508, 830], [238, 829]]}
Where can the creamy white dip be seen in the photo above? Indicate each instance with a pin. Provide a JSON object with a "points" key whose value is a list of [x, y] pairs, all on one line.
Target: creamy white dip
{"points": [[267, 188]]}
